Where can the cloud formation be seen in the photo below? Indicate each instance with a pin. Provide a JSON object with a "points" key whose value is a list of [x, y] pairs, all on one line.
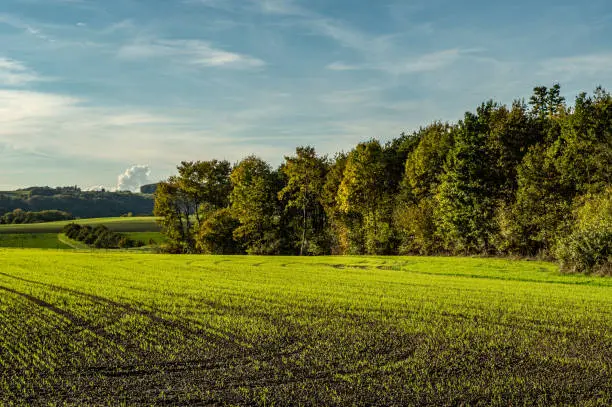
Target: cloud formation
{"points": [[15, 73], [133, 178], [193, 52]]}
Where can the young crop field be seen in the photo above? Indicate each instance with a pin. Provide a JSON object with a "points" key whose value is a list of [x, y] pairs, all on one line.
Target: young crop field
{"points": [[124, 224], [110, 328]]}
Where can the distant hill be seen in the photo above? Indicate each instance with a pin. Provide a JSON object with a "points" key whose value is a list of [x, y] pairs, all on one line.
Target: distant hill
{"points": [[81, 204]]}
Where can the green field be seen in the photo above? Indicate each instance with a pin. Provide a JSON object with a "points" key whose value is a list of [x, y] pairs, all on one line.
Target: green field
{"points": [[105, 328], [31, 240], [124, 224]]}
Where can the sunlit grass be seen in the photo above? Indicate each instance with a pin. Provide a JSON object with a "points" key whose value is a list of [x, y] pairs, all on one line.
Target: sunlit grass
{"points": [[96, 328], [121, 224]]}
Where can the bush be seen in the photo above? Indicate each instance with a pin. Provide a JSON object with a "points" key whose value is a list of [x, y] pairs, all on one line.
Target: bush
{"points": [[99, 237], [216, 235], [589, 247]]}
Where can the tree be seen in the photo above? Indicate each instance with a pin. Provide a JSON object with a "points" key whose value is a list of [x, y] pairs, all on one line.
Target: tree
{"points": [[184, 200], [305, 178], [362, 192], [254, 204], [547, 102], [338, 221], [216, 235], [174, 210], [588, 248], [466, 196], [425, 165], [206, 185]]}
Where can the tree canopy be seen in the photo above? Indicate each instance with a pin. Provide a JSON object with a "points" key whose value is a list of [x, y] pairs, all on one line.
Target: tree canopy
{"points": [[502, 180]]}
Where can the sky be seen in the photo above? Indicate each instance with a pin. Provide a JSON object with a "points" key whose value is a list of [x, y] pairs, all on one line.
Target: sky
{"points": [[90, 88]]}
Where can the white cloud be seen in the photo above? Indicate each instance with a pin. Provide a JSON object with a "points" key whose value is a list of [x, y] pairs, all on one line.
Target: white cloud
{"points": [[341, 66], [15, 73], [428, 62], [569, 68], [194, 52], [58, 125], [424, 63], [284, 7], [133, 178]]}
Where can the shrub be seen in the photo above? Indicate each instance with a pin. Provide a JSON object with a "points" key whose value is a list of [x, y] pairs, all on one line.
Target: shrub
{"points": [[216, 235], [589, 247]]}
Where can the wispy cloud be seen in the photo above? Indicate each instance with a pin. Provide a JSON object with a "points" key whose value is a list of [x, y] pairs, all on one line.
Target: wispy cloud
{"points": [[424, 63], [378, 52], [429, 62], [50, 123], [341, 66], [570, 68], [194, 52], [18, 23], [284, 7], [15, 73]]}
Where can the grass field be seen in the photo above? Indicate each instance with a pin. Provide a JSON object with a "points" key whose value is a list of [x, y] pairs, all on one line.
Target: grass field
{"points": [[96, 328], [31, 240], [124, 224]]}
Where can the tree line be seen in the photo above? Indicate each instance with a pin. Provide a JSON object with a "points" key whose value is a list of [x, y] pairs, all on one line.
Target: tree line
{"points": [[100, 237], [19, 216], [530, 179], [81, 204]]}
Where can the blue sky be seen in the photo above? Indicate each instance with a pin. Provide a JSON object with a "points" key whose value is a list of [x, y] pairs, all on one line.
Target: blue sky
{"points": [[89, 88]]}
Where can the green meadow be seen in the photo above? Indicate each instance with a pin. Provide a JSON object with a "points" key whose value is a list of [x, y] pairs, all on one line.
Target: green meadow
{"points": [[103, 328], [48, 235], [32, 240], [121, 224]]}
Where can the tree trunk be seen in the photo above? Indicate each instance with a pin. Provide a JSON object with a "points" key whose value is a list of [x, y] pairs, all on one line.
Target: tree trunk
{"points": [[303, 231]]}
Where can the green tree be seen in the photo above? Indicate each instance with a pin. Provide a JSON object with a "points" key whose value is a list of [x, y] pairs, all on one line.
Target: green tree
{"points": [[184, 200], [425, 165], [305, 174], [216, 234], [338, 221], [466, 196], [547, 102], [254, 204], [588, 248], [362, 192], [173, 208], [206, 185]]}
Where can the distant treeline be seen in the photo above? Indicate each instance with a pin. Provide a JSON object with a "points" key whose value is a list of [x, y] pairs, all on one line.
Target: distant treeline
{"points": [[531, 179], [148, 189], [19, 216], [100, 237], [81, 204]]}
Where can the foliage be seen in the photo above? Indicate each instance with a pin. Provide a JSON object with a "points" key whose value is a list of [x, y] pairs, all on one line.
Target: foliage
{"points": [[99, 237], [468, 189], [216, 234], [19, 216], [303, 190], [183, 201], [589, 247], [254, 204], [363, 196], [80, 204], [503, 180]]}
